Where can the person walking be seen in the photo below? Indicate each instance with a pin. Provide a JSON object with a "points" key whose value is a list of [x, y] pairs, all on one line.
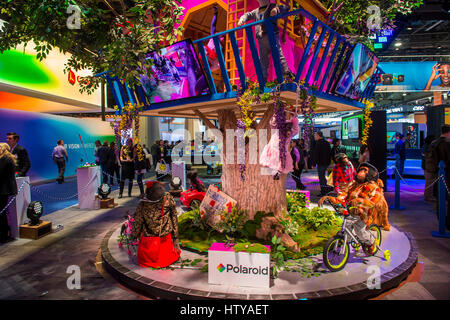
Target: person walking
{"points": [[104, 155], [8, 187], [303, 153], [441, 152], [98, 144], [322, 157], [140, 166], [127, 161], [154, 152], [400, 154], [298, 163], [429, 167], [113, 164], [58, 155], [20, 153]]}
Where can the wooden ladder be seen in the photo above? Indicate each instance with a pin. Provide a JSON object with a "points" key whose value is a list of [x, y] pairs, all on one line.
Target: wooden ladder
{"points": [[236, 8]]}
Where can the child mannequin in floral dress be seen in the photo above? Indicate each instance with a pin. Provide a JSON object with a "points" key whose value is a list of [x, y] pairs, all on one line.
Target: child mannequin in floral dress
{"points": [[270, 156]]}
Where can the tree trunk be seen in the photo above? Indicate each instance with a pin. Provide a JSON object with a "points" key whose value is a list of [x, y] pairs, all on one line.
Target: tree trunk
{"points": [[258, 191]]}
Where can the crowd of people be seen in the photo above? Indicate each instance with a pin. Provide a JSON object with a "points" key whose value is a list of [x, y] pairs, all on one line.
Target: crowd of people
{"points": [[333, 166]]}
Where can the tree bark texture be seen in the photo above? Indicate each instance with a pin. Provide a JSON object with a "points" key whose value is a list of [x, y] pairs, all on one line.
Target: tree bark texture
{"points": [[258, 191]]}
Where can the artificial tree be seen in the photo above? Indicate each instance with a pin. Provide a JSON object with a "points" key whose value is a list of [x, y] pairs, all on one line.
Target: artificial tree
{"points": [[246, 182]]}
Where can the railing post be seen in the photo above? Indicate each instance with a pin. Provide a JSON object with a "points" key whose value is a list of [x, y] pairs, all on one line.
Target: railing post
{"points": [[209, 76], [237, 59], [255, 57], [305, 53], [223, 67], [315, 55], [442, 208], [336, 66], [397, 205], [330, 63], [273, 41], [324, 57]]}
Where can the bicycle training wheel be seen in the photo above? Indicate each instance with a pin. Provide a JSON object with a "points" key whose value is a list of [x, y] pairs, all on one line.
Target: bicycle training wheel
{"points": [[376, 233], [332, 256]]}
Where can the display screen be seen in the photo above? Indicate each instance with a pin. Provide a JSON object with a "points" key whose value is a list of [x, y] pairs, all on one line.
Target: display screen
{"points": [[414, 76], [390, 138], [351, 128], [175, 74], [357, 73]]}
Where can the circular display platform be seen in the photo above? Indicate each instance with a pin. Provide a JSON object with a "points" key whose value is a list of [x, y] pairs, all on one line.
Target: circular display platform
{"points": [[189, 282]]}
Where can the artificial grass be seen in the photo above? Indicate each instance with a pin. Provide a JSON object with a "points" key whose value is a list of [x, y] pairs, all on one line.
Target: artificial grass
{"points": [[197, 236]]}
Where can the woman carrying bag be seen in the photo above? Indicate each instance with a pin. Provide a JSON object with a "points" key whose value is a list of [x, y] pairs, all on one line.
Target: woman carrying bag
{"points": [[156, 225]]}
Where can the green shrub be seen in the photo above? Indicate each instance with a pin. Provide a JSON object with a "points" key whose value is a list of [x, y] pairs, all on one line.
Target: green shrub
{"points": [[250, 248], [296, 201], [290, 225], [315, 218]]}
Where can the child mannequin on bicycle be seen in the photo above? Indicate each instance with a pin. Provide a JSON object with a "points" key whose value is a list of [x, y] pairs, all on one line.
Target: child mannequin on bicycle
{"points": [[359, 199]]}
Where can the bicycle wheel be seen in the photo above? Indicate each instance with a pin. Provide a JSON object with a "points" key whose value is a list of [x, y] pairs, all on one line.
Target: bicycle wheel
{"points": [[376, 233], [332, 256]]}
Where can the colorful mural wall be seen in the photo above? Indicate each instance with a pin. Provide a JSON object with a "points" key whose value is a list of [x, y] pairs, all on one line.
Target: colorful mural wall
{"points": [[20, 68], [39, 132]]}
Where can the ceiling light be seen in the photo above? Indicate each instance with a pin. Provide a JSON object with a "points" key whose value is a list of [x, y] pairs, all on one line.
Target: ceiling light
{"points": [[398, 44]]}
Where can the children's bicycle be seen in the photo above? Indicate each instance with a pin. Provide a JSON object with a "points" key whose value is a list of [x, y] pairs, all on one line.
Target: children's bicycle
{"points": [[337, 250]]}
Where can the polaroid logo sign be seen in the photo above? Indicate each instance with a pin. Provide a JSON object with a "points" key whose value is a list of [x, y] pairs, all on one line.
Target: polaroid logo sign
{"points": [[243, 270]]}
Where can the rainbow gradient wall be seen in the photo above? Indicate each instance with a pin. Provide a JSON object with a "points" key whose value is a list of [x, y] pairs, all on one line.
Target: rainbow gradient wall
{"points": [[39, 132]]}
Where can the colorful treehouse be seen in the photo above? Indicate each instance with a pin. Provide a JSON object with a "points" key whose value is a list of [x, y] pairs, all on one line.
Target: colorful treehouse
{"points": [[200, 78], [313, 51]]}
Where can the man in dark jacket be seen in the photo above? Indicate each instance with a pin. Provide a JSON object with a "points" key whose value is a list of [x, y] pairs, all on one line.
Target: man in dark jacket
{"points": [[322, 156], [400, 154], [154, 150], [21, 154], [104, 154], [441, 151]]}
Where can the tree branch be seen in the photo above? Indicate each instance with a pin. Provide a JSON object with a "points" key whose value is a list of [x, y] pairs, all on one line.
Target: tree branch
{"points": [[112, 9], [205, 120]]}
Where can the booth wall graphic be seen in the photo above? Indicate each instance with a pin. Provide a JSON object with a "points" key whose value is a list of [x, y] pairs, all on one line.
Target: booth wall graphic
{"points": [[39, 132], [412, 76], [21, 69]]}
